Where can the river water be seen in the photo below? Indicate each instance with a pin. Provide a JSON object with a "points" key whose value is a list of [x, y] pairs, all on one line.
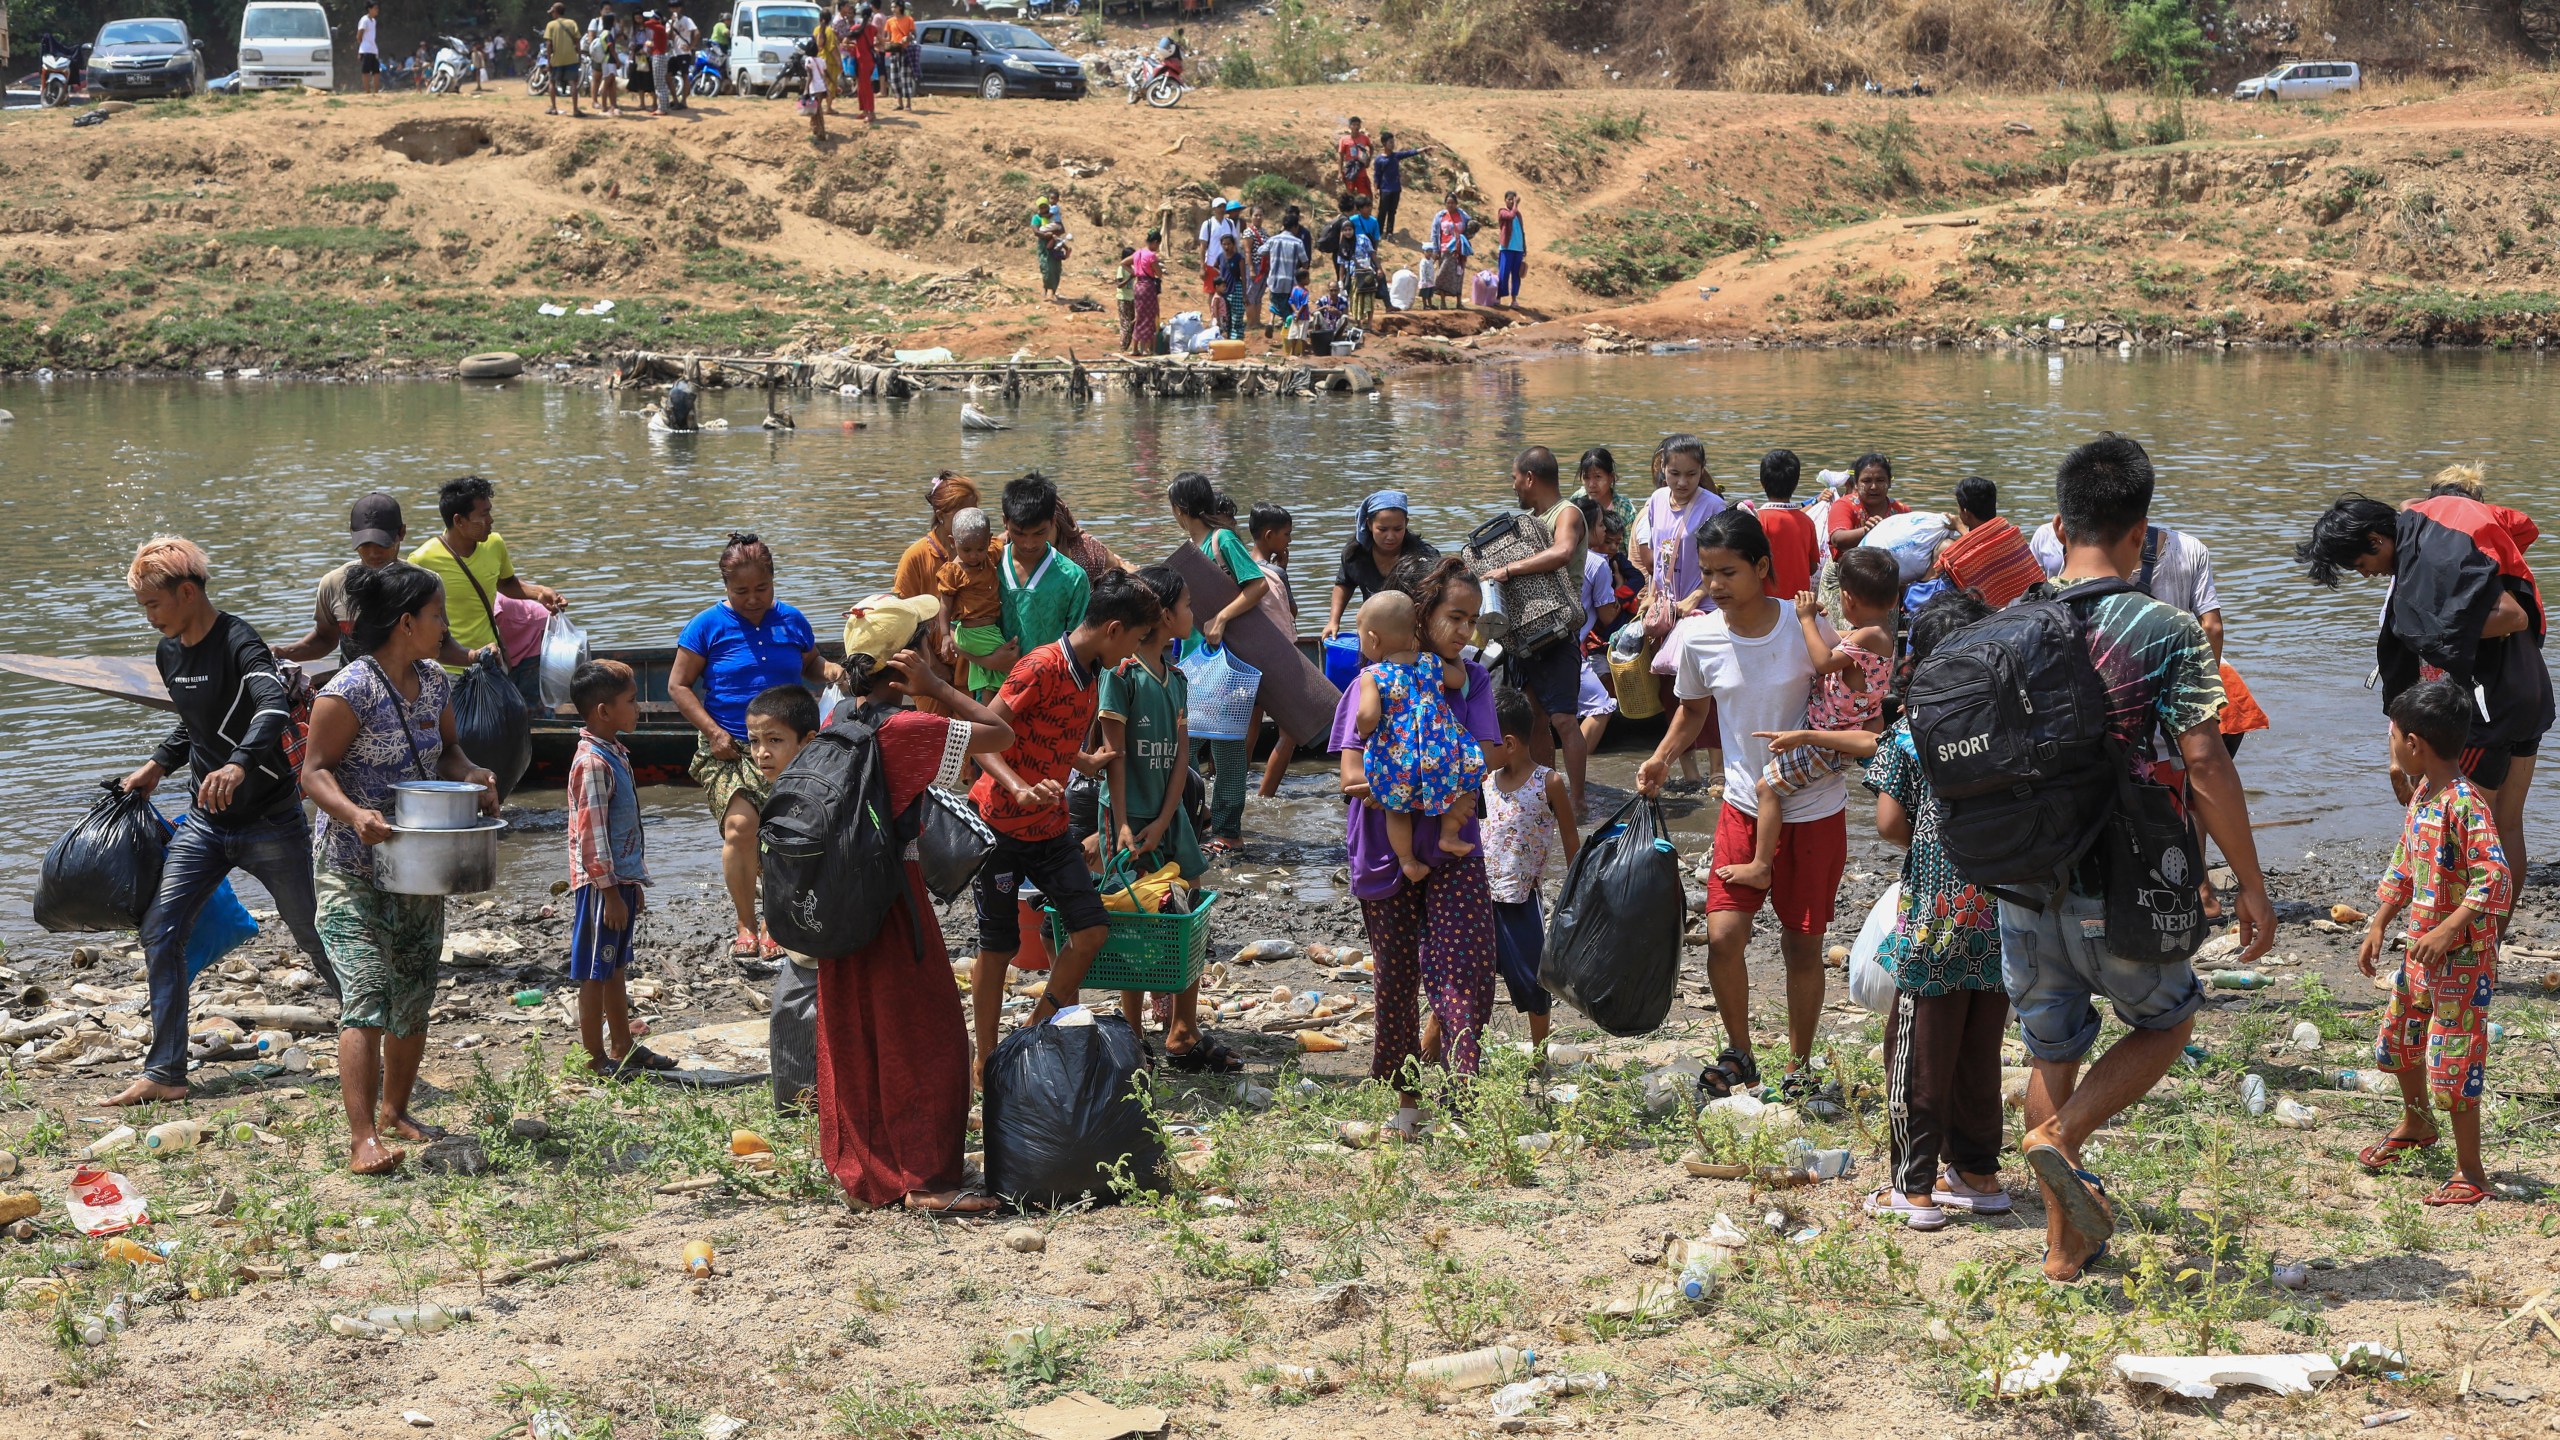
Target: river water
{"points": [[626, 523]]}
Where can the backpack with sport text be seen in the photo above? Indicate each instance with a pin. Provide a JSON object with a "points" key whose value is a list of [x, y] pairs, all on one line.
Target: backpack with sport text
{"points": [[2010, 720], [831, 847]]}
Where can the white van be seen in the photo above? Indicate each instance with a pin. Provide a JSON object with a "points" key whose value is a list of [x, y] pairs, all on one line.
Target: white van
{"points": [[285, 43], [2301, 80], [761, 36]]}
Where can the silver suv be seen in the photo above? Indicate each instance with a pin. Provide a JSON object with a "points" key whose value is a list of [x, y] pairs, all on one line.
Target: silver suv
{"points": [[2301, 80]]}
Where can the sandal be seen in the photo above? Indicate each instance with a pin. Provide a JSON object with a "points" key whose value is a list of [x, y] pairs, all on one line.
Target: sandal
{"points": [[1952, 1193], [1206, 1058], [960, 1203], [1732, 1071], [744, 947], [2080, 1193], [2386, 1152], [2094, 1257], [2456, 1191], [1887, 1203]]}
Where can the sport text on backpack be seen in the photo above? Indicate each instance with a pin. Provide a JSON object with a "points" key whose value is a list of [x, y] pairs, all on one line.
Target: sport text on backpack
{"points": [[831, 847], [2010, 719]]}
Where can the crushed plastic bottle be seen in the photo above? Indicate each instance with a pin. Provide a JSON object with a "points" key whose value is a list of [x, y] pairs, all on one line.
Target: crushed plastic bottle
{"points": [[2292, 1114], [1473, 1369], [2237, 980], [1522, 1397], [2253, 1094], [119, 1139], [2371, 1082]]}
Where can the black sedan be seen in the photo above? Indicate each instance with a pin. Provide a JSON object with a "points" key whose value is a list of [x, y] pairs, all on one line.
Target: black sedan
{"points": [[146, 57], [995, 60]]}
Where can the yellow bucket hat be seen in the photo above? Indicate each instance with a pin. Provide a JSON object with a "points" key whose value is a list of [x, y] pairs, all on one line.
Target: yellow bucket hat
{"points": [[883, 625]]}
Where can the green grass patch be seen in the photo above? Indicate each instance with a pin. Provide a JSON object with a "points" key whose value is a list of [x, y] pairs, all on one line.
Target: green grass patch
{"points": [[1631, 252], [354, 192], [368, 241]]}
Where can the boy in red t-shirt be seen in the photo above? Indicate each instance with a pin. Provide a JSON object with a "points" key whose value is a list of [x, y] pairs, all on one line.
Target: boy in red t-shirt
{"points": [[1049, 699], [1794, 551]]}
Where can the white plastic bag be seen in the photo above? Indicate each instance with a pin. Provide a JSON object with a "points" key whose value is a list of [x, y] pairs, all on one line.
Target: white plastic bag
{"points": [[564, 649], [1870, 984], [1912, 539]]}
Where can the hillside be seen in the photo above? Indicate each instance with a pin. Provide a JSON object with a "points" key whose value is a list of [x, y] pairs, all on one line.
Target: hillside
{"points": [[313, 233]]}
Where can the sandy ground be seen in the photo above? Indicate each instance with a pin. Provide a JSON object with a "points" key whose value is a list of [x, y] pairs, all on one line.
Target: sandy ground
{"points": [[1286, 1248]]}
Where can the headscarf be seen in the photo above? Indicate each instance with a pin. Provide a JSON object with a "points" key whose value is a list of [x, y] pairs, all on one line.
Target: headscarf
{"points": [[949, 495], [1381, 500]]}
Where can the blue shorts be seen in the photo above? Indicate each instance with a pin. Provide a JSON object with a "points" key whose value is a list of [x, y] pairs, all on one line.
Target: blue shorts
{"points": [[2054, 961], [597, 952], [1519, 944]]}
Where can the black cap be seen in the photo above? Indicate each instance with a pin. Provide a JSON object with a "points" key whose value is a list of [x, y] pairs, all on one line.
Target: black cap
{"points": [[375, 520]]}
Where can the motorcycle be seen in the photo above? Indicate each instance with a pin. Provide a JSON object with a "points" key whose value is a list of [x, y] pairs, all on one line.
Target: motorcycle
{"points": [[537, 82], [61, 72], [710, 73], [453, 66], [1158, 80]]}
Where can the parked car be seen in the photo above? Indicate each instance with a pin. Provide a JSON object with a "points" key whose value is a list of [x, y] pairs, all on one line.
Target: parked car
{"points": [[146, 57], [284, 43], [2301, 80], [996, 60], [761, 34]]}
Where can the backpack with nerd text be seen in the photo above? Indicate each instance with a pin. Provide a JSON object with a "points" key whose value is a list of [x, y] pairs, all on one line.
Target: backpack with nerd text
{"points": [[831, 848], [2010, 721]]}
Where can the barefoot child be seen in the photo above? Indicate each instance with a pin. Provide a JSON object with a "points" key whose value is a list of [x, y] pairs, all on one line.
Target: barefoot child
{"points": [[973, 603], [607, 866], [1527, 813], [1416, 757], [1942, 1036], [1146, 730], [2450, 876], [779, 722], [1270, 526], [1849, 696]]}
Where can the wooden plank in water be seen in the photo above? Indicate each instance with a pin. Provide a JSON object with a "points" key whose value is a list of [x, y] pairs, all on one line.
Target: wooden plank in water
{"points": [[126, 677]]}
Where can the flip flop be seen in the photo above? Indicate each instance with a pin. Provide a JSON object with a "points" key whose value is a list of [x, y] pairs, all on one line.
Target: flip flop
{"points": [[954, 1207], [1952, 1193], [2075, 1189], [645, 1058], [1887, 1203], [744, 947], [2083, 1273], [2386, 1152], [2456, 1191], [389, 1162]]}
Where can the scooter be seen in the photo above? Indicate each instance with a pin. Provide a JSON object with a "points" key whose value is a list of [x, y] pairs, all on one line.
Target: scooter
{"points": [[537, 82], [1158, 80], [710, 73], [453, 66], [61, 72]]}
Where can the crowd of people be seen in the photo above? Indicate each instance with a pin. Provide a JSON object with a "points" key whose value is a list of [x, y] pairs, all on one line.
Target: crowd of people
{"points": [[1016, 653]]}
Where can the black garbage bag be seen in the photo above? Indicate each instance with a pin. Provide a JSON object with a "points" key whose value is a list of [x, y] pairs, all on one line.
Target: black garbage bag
{"points": [[103, 873], [1613, 945], [791, 1037], [492, 723], [1062, 1112]]}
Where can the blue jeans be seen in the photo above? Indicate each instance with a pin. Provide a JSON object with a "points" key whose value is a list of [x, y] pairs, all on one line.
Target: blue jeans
{"points": [[277, 851], [1509, 266], [2056, 961]]}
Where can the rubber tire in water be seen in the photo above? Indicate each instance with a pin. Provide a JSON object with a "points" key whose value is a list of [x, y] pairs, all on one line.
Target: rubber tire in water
{"points": [[491, 365]]}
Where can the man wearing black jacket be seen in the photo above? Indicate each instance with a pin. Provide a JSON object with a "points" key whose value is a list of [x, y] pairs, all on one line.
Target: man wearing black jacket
{"points": [[233, 714]]}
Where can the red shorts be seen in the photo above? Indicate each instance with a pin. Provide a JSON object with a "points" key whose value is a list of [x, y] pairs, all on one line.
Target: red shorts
{"points": [[1804, 884], [1209, 280]]}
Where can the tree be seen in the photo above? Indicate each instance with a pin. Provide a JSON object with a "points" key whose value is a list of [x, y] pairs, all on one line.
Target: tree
{"points": [[2161, 39]]}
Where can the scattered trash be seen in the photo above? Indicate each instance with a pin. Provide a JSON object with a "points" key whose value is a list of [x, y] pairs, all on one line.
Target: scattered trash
{"points": [[418, 1418], [104, 1202], [2292, 1114], [1561, 1055], [2371, 1082], [722, 1427], [1026, 1242], [120, 1138], [697, 1258], [383, 1321], [2292, 1276], [174, 1135], [550, 309], [133, 1252], [748, 1142], [1262, 952], [2253, 1094], [2385, 1417], [2346, 915], [8, 1164], [2507, 1392], [1522, 1397], [1472, 1369], [2306, 1036], [336, 1260], [2026, 1374], [2237, 980], [2201, 1377], [1079, 1416]]}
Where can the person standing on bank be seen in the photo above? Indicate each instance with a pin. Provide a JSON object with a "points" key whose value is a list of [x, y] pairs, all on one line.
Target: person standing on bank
{"points": [[1511, 257], [386, 718], [246, 812], [728, 655], [471, 559], [2158, 671], [1553, 676]]}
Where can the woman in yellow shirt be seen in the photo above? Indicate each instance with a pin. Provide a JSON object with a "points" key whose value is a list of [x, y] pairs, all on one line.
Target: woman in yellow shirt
{"points": [[827, 59]]}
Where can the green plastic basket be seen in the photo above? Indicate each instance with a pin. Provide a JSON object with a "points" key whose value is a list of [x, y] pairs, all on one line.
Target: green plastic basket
{"points": [[1145, 952]]}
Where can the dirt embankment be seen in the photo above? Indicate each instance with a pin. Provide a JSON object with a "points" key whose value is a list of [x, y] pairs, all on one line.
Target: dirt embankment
{"points": [[309, 233]]}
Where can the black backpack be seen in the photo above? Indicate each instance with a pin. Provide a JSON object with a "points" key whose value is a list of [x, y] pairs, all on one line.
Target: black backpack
{"points": [[2010, 721], [831, 848], [1329, 240]]}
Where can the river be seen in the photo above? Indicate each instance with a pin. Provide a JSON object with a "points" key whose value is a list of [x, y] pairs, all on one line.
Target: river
{"points": [[627, 523]]}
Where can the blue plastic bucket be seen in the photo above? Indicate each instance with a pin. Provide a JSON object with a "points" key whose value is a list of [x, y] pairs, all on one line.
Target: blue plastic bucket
{"points": [[1342, 660]]}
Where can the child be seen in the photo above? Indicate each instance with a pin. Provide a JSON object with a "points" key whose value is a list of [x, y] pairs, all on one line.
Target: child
{"points": [[1049, 698], [1527, 810], [779, 722], [1124, 275], [1417, 758], [2450, 875], [607, 866], [1301, 320], [1044, 591], [813, 94], [1849, 696], [973, 603], [1196, 506], [1233, 271], [1270, 527], [1943, 1035], [1146, 730]]}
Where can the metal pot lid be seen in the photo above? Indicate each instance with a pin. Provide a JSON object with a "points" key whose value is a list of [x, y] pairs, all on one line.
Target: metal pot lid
{"points": [[480, 828], [437, 787]]}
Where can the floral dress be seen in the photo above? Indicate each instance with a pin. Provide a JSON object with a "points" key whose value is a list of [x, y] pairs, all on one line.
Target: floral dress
{"points": [[1421, 759], [1947, 936], [2448, 857]]}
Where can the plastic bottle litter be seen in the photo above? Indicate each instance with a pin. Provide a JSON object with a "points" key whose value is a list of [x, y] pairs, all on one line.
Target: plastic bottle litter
{"points": [[18, 1207], [1299, 1377], [748, 1142], [1698, 1278], [2253, 1094], [295, 1059], [1522, 1397], [2238, 980], [1473, 1369], [174, 1135], [2371, 1082], [119, 1139], [2292, 1114], [418, 1319], [1560, 1054], [133, 1252], [528, 997], [697, 1257]]}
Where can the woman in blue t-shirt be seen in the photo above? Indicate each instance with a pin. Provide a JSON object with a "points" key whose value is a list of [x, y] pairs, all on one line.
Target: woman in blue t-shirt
{"points": [[727, 656]]}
